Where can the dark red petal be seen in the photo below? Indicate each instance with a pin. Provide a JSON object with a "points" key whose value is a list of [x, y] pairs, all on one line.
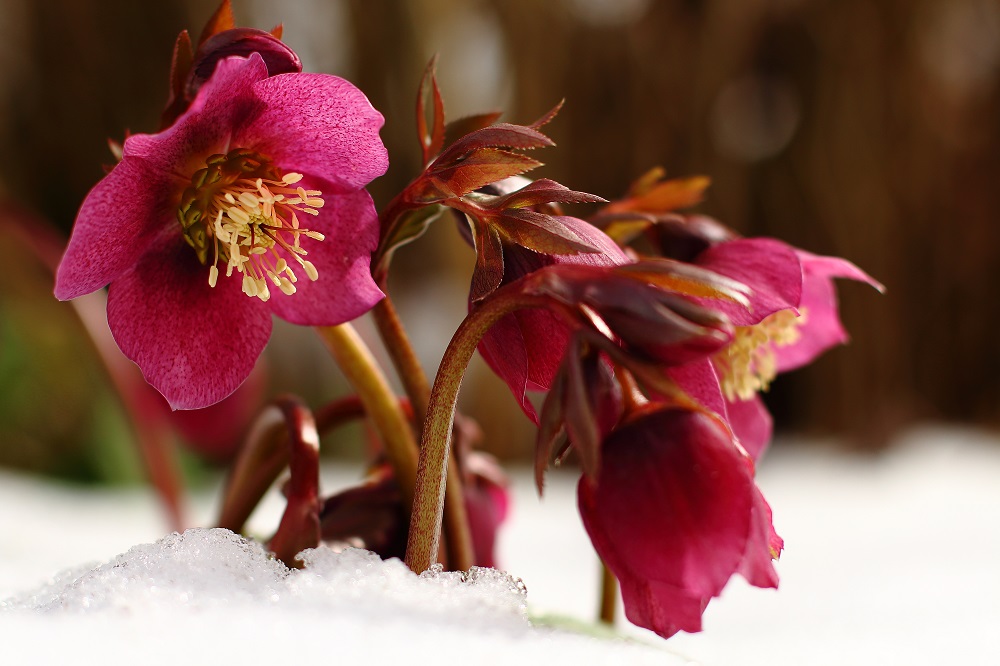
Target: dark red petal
{"points": [[503, 349], [526, 348], [661, 607], [700, 381], [545, 340], [672, 510], [194, 344], [487, 504], [279, 58]]}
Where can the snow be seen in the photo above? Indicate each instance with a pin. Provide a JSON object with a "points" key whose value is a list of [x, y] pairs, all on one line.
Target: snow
{"points": [[208, 586], [890, 559]]}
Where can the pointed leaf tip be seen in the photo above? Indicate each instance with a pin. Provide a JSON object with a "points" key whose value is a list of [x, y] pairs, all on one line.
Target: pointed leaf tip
{"points": [[222, 19], [648, 195], [431, 141], [549, 115]]}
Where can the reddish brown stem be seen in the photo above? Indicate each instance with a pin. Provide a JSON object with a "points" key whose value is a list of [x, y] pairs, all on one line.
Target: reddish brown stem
{"points": [[404, 358], [299, 528], [435, 444], [458, 539], [265, 453]]}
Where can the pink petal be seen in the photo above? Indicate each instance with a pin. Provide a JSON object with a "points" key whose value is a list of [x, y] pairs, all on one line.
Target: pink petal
{"points": [[128, 208], [217, 431], [120, 217], [320, 125], [194, 344], [752, 424], [749, 420], [223, 104], [834, 267], [345, 289], [757, 566], [769, 267], [822, 328], [674, 514]]}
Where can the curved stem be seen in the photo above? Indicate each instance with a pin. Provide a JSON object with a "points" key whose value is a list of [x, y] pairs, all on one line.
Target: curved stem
{"points": [[265, 453], [299, 527], [458, 538], [380, 403], [435, 445], [404, 358]]}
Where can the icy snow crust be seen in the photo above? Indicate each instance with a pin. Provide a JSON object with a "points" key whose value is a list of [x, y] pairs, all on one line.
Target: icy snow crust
{"points": [[206, 583], [215, 568]]}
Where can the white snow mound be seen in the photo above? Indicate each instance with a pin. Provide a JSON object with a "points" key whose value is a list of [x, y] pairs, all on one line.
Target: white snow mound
{"points": [[212, 568], [216, 597]]}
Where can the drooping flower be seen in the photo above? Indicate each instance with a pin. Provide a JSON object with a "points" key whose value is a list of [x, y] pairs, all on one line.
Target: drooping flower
{"points": [[674, 513], [792, 319], [250, 204]]}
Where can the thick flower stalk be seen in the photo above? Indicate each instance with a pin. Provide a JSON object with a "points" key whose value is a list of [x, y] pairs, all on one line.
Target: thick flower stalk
{"points": [[250, 204]]}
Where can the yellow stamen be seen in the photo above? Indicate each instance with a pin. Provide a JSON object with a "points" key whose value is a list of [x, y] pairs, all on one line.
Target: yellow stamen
{"points": [[241, 210], [749, 363]]}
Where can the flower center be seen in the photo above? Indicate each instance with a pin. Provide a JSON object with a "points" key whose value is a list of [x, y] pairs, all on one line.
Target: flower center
{"points": [[749, 363], [241, 210]]}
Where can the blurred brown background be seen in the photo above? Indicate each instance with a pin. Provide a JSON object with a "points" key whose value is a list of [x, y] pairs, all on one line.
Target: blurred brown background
{"points": [[862, 128]]}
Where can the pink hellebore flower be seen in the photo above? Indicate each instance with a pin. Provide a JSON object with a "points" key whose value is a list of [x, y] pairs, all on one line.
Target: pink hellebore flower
{"points": [[792, 319], [250, 204], [674, 513], [525, 348]]}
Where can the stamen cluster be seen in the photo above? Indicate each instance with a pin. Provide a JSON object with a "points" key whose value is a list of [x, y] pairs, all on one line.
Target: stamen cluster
{"points": [[243, 211], [748, 364]]}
